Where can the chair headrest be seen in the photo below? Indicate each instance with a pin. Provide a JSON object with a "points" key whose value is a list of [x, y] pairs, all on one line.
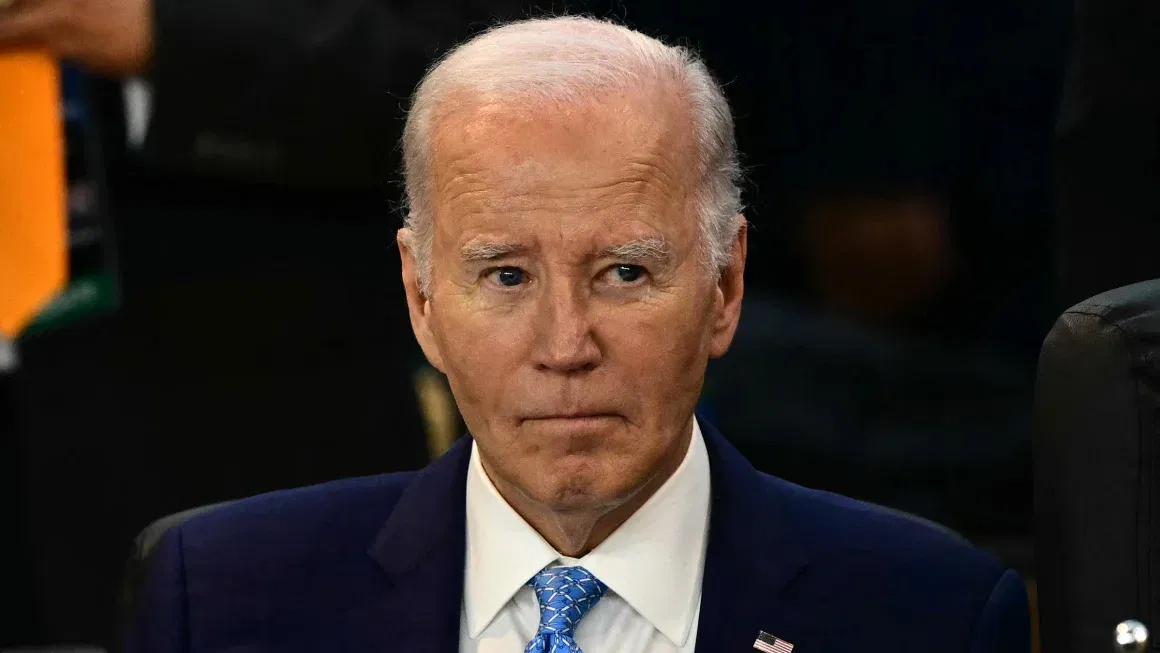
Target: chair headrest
{"points": [[1097, 426]]}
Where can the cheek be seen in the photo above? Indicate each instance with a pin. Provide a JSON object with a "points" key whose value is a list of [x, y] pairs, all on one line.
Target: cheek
{"points": [[481, 349], [664, 348]]}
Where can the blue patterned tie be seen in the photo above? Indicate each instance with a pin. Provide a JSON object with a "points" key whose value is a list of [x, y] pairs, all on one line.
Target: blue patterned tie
{"points": [[566, 594]]}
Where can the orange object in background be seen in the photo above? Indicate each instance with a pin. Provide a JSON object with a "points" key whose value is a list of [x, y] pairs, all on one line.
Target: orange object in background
{"points": [[33, 188]]}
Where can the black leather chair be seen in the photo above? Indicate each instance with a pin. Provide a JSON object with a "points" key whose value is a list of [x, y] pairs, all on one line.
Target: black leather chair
{"points": [[137, 568], [1097, 450]]}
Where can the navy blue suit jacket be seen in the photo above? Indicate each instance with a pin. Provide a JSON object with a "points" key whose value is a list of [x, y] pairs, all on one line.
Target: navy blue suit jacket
{"points": [[376, 564]]}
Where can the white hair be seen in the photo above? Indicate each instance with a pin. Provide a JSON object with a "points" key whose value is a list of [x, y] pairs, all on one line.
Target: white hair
{"points": [[568, 59]]}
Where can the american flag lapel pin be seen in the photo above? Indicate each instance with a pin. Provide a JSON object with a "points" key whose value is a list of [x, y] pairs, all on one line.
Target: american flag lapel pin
{"points": [[769, 644]]}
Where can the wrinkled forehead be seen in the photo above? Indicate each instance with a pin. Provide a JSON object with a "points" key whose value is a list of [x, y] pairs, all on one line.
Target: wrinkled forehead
{"points": [[507, 151]]}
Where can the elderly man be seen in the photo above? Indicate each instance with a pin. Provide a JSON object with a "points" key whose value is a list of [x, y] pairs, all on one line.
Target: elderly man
{"points": [[573, 256]]}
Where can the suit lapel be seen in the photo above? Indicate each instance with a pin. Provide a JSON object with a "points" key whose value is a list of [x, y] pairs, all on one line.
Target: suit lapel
{"points": [[422, 550], [752, 560]]}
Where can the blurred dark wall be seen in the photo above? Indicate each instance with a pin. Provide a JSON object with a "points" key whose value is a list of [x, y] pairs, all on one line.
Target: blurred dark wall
{"points": [[1108, 153]]}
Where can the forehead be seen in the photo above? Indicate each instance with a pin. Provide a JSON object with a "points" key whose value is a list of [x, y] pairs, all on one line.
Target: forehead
{"points": [[620, 156]]}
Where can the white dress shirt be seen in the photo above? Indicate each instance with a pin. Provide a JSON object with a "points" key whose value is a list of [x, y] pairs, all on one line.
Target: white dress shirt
{"points": [[652, 566]]}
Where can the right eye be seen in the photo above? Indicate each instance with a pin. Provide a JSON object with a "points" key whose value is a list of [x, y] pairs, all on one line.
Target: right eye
{"points": [[507, 276]]}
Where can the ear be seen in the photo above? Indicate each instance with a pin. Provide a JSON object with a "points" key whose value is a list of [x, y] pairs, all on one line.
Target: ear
{"points": [[418, 305], [729, 291]]}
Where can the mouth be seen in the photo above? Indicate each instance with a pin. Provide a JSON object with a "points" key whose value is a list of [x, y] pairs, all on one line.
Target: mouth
{"points": [[572, 418]]}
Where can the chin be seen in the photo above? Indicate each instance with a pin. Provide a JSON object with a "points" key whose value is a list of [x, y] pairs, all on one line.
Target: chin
{"points": [[573, 499], [581, 482]]}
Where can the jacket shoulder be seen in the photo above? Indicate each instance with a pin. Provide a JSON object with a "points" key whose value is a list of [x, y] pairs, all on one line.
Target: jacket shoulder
{"points": [[282, 527], [896, 578], [288, 561], [856, 536]]}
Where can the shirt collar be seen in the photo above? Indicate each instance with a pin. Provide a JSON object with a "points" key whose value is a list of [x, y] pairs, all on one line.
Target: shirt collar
{"points": [[503, 551], [654, 561]]}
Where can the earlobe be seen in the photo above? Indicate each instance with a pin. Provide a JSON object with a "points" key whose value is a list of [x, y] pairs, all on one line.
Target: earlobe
{"points": [[418, 304]]}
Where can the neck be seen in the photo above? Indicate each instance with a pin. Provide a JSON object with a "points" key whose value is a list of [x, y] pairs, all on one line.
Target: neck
{"points": [[574, 533]]}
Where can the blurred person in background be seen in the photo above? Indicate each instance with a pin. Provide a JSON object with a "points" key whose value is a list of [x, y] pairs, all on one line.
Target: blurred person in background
{"points": [[574, 254], [902, 161], [249, 150]]}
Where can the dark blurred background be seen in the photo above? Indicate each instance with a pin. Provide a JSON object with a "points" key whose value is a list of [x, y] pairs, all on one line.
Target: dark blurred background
{"points": [[930, 182]]}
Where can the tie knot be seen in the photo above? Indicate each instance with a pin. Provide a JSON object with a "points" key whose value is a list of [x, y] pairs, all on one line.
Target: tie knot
{"points": [[566, 594]]}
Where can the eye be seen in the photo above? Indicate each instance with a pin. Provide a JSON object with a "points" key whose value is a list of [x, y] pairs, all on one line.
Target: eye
{"points": [[626, 274], [508, 277]]}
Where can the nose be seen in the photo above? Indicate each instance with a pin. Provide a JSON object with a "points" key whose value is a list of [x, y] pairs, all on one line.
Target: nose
{"points": [[565, 342]]}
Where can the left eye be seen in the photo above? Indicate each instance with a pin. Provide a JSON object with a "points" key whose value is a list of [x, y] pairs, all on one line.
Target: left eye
{"points": [[627, 273], [508, 276]]}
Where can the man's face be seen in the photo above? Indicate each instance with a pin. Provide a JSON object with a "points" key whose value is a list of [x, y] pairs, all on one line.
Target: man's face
{"points": [[569, 305]]}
